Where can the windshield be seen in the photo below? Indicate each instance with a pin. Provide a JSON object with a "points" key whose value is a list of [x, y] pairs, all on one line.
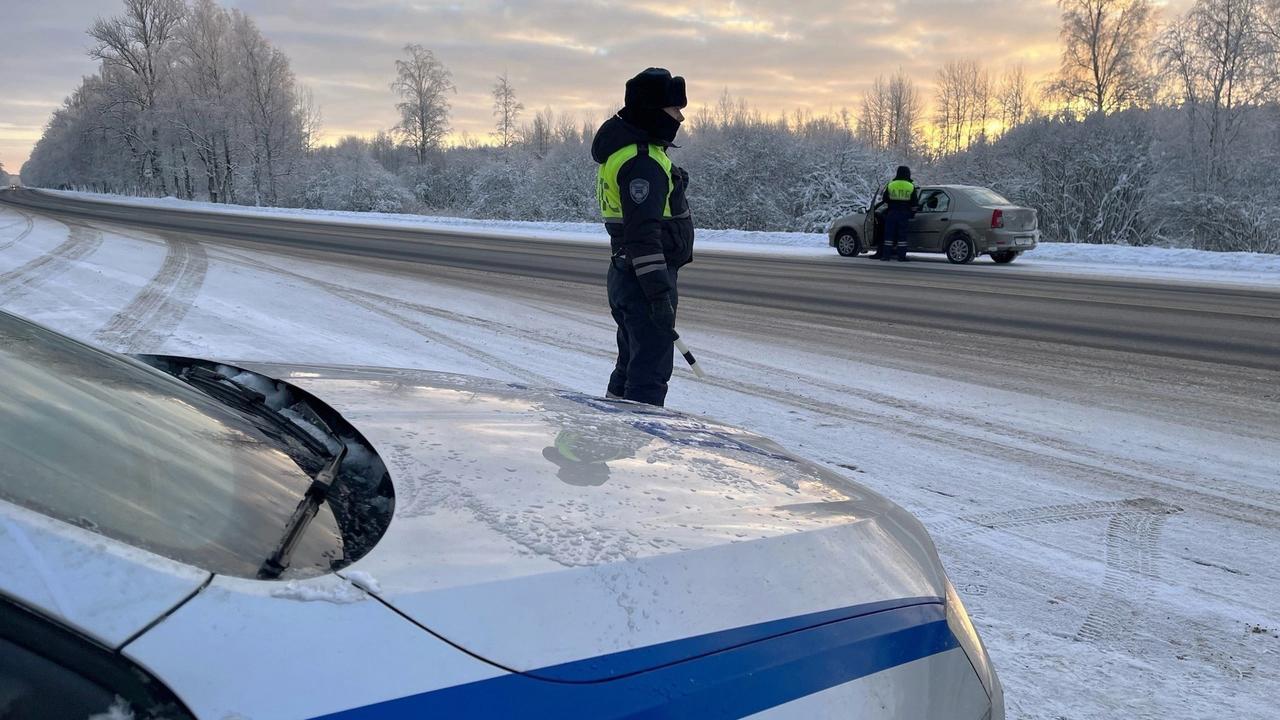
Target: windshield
{"points": [[103, 442], [983, 196]]}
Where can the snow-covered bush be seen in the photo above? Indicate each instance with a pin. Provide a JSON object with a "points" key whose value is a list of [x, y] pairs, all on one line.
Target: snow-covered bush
{"points": [[348, 178]]}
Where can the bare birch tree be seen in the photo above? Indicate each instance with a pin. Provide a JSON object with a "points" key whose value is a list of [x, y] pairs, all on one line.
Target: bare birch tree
{"points": [[1015, 98], [1105, 48], [507, 109], [891, 115], [962, 105], [423, 84]]}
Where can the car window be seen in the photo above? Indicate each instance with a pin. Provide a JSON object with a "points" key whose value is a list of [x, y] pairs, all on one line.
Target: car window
{"points": [[103, 442], [932, 201], [33, 687], [46, 671], [983, 196]]}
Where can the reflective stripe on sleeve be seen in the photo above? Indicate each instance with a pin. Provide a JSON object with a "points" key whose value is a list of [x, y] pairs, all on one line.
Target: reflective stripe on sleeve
{"points": [[646, 259], [650, 268]]}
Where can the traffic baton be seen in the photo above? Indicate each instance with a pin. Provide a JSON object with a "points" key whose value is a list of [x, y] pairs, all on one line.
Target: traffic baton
{"points": [[688, 357]]}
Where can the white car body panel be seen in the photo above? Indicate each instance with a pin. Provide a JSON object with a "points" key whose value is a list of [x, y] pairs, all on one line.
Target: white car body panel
{"points": [[939, 686], [104, 589], [259, 650], [681, 540]]}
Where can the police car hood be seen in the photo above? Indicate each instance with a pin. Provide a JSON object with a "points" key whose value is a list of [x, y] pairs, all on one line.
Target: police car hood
{"points": [[535, 528]]}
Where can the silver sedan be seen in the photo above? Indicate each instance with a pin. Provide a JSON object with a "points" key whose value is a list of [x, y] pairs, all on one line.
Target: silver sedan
{"points": [[962, 221]]}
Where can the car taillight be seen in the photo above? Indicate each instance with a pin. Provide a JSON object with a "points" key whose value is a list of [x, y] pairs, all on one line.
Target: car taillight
{"points": [[997, 218]]}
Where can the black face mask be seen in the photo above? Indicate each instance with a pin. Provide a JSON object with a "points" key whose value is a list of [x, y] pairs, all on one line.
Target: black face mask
{"points": [[655, 121]]}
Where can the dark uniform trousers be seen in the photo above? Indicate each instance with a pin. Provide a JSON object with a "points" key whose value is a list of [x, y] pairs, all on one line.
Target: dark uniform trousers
{"points": [[895, 232], [645, 352]]}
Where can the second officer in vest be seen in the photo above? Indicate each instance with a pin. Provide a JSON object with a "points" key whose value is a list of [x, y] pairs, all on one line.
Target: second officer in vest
{"points": [[642, 199], [902, 199]]}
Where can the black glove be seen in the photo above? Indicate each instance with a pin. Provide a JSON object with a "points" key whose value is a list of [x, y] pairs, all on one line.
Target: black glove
{"points": [[663, 314]]}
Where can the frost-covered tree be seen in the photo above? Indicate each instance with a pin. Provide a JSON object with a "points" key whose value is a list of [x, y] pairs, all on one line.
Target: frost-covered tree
{"points": [[270, 111], [189, 99], [135, 51], [203, 110], [1222, 65], [1105, 51], [423, 84], [1223, 68]]}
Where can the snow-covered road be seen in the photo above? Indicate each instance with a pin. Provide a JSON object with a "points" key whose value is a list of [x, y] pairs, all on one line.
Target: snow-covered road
{"points": [[1110, 518]]}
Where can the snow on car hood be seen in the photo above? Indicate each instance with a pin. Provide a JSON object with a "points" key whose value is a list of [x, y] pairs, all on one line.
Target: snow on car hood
{"points": [[535, 527]]}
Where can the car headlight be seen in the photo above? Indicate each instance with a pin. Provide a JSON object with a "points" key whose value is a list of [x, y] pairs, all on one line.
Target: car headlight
{"points": [[962, 627]]}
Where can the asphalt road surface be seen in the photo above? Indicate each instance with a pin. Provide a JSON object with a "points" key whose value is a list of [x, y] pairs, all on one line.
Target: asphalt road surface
{"points": [[1222, 325]]}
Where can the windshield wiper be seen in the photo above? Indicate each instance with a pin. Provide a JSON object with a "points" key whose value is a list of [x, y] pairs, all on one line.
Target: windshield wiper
{"points": [[243, 397], [302, 515]]}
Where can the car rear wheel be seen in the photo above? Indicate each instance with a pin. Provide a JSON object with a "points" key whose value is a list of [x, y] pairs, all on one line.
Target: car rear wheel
{"points": [[847, 243], [1004, 257], [960, 248]]}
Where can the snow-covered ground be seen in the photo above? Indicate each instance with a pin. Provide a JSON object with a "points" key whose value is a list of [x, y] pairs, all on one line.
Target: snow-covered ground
{"points": [[1110, 519], [1099, 260]]}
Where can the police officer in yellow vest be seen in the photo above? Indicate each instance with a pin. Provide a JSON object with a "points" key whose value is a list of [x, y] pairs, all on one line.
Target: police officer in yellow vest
{"points": [[902, 199], [642, 199]]}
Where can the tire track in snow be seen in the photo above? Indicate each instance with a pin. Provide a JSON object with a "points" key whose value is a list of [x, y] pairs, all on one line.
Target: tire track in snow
{"points": [[1054, 514], [365, 300], [31, 224], [81, 241], [1131, 561], [162, 304], [1133, 553]]}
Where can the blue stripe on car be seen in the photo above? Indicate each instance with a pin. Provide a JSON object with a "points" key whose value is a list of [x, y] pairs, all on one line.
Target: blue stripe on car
{"points": [[730, 674]]}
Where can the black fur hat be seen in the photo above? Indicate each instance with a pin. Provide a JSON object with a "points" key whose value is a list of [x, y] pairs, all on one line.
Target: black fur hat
{"points": [[654, 89]]}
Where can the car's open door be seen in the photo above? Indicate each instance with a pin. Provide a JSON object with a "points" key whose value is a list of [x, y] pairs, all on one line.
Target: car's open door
{"points": [[872, 232]]}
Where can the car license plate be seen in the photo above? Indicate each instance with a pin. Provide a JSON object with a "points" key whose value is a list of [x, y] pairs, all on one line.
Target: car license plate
{"points": [[1025, 241]]}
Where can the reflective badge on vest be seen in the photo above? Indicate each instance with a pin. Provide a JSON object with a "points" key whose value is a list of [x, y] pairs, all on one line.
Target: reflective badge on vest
{"points": [[639, 190]]}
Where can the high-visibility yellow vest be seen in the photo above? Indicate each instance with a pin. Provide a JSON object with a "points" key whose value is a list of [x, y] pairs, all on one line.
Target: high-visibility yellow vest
{"points": [[609, 193], [901, 190]]}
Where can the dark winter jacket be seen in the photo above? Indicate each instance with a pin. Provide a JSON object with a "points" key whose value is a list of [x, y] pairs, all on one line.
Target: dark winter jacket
{"points": [[901, 195], [650, 225]]}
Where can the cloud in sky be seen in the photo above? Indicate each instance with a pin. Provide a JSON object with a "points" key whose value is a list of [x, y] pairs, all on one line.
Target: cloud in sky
{"points": [[571, 55]]}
